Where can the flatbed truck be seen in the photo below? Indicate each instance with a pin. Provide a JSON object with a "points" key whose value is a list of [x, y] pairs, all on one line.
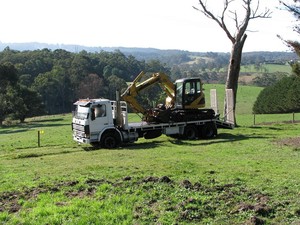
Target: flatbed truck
{"points": [[104, 123]]}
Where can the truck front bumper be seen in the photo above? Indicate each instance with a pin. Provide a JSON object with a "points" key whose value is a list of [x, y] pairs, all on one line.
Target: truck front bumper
{"points": [[81, 140]]}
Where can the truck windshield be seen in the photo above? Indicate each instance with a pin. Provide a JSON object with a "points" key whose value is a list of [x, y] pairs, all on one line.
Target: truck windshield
{"points": [[82, 112]]}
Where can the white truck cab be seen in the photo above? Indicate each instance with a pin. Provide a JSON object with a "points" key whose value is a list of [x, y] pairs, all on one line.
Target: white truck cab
{"points": [[95, 117]]}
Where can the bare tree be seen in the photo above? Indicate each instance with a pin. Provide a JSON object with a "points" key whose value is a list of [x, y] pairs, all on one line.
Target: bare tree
{"points": [[251, 10]]}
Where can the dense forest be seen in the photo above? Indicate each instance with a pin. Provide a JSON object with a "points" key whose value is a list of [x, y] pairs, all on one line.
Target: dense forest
{"points": [[60, 77], [45, 81]]}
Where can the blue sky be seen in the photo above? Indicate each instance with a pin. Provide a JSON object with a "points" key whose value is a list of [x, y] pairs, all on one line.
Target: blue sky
{"points": [[163, 24]]}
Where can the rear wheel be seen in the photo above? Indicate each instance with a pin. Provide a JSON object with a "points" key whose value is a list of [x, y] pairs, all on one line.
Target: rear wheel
{"points": [[209, 130], [190, 132], [110, 140]]}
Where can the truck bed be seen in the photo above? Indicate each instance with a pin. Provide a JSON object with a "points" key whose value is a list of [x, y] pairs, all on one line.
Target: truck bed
{"points": [[152, 126], [145, 126]]}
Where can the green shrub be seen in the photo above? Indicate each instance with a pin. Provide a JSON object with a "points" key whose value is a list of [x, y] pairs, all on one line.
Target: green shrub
{"points": [[282, 97]]}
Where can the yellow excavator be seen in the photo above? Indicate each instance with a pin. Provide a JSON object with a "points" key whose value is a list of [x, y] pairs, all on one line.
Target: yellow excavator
{"points": [[185, 99]]}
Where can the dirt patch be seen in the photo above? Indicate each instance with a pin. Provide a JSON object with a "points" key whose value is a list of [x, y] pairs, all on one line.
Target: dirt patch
{"points": [[292, 142], [9, 201], [255, 221], [89, 192], [96, 182], [151, 179], [186, 184], [189, 201]]}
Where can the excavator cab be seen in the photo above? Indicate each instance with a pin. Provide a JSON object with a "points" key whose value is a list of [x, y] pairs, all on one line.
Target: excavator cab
{"points": [[189, 94]]}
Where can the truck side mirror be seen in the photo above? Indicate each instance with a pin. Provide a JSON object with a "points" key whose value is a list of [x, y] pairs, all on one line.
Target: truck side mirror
{"points": [[93, 114]]}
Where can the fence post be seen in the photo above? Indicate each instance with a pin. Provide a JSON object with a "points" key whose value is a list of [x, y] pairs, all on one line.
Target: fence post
{"points": [[293, 117], [39, 139]]}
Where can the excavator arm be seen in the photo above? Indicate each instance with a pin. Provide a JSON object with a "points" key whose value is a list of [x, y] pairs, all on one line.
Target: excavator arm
{"points": [[133, 90]]}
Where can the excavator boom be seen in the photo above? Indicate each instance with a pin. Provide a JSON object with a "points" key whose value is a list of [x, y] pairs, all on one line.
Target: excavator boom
{"points": [[133, 90]]}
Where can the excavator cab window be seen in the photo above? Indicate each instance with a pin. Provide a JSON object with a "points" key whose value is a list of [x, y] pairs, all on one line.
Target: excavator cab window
{"points": [[187, 91], [192, 91]]}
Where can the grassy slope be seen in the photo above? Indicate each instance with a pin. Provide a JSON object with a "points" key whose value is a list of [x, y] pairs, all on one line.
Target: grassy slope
{"points": [[267, 68], [246, 97], [241, 176]]}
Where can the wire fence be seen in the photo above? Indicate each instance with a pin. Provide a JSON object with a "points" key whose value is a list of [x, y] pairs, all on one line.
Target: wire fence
{"points": [[265, 119]]}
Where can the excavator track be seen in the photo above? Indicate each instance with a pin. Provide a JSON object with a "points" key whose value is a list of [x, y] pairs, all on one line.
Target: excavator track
{"points": [[179, 115]]}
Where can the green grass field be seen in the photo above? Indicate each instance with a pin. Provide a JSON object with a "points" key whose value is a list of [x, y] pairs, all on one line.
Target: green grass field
{"points": [[249, 175], [264, 68], [246, 97], [267, 68]]}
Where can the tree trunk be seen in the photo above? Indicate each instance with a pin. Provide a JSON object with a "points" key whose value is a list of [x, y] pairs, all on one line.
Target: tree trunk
{"points": [[22, 119], [234, 71]]}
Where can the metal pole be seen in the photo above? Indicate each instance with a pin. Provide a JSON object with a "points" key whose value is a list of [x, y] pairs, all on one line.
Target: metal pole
{"points": [[39, 139]]}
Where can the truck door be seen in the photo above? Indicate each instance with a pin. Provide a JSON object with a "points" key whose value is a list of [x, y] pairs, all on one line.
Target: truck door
{"points": [[99, 119]]}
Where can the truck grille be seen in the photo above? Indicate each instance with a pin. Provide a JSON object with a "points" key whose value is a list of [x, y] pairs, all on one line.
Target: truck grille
{"points": [[78, 127], [80, 130]]}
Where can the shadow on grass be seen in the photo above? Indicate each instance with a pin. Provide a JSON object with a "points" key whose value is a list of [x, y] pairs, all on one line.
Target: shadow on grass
{"points": [[14, 131], [265, 127], [131, 146], [43, 154], [143, 146], [222, 138], [27, 126], [47, 120]]}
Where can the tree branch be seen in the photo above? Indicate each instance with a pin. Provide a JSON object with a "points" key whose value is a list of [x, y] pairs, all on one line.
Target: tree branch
{"points": [[221, 21], [254, 13], [241, 26]]}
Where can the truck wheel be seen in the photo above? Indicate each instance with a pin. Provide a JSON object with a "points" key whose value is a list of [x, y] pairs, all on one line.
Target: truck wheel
{"points": [[209, 130], [110, 140], [190, 132]]}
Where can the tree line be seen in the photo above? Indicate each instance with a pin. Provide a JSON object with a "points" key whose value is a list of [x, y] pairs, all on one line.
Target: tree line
{"points": [[49, 82]]}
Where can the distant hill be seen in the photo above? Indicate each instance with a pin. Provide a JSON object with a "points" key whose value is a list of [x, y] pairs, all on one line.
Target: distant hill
{"points": [[77, 48], [170, 57]]}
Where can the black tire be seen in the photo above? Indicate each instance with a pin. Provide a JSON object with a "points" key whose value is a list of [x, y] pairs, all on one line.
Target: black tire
{"points": [[208, 130], [190, 132], [110, 140]]}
